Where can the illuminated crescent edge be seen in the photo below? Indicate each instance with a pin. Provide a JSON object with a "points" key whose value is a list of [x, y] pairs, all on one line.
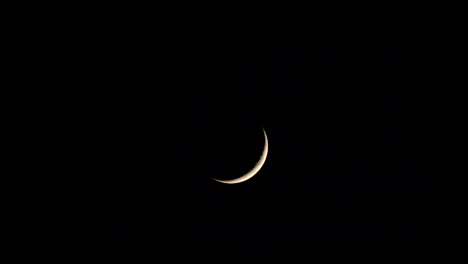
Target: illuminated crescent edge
{"points": [[254, 170]]}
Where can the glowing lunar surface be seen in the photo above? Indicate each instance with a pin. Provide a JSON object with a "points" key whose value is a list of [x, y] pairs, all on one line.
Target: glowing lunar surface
{"points": [[254, 170]]}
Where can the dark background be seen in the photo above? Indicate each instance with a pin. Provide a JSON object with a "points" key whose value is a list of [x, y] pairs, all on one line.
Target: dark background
{"points": [[146, 105]]}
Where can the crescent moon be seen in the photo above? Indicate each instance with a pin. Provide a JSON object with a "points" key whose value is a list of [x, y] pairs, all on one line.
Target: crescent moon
{"points": [[254, 170]]}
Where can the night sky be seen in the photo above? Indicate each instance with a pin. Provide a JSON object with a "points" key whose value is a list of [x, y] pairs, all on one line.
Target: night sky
{"points": [[147, 108]]}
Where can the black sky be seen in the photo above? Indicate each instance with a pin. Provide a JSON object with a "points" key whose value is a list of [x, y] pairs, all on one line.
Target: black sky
{"points": [[149, 107]]}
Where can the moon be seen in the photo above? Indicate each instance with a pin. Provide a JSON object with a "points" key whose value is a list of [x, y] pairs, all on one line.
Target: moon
{"points": [[254, 170]]}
